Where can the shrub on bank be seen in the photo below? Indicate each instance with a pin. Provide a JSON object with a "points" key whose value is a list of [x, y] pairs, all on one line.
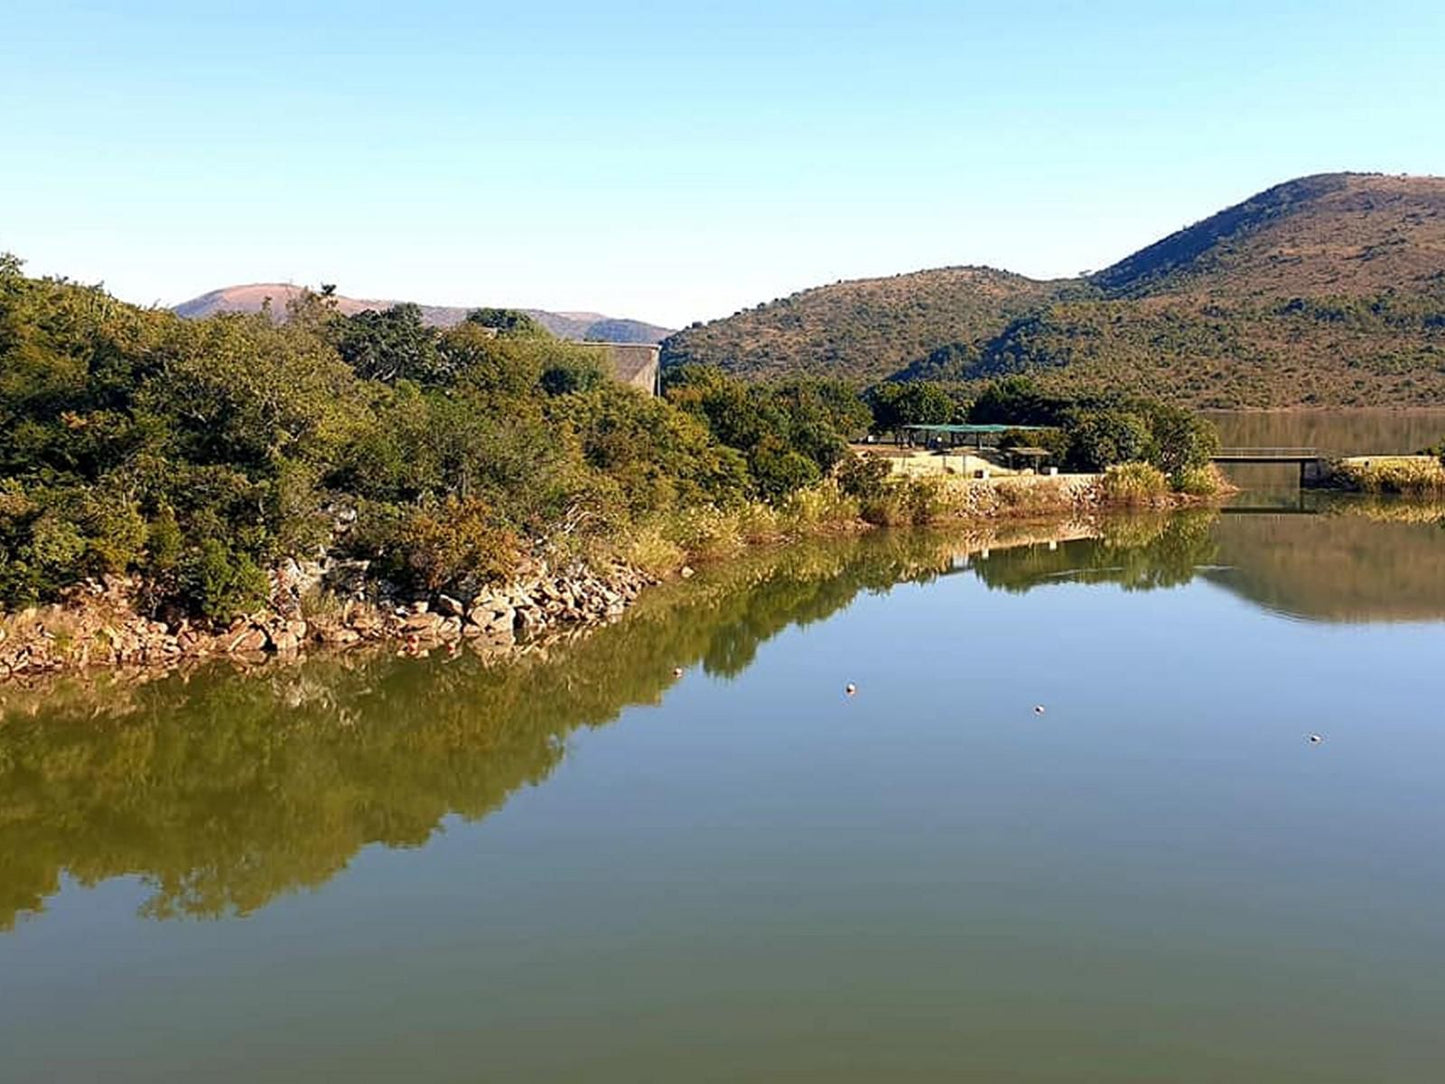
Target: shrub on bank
{"points": [[1134, 483], [219, 582], [1198, 481], [649, 549], [666, 542], [820, 505], [906, 502]]}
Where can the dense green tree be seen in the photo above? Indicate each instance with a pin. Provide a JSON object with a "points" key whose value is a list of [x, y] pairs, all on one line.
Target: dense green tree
{"points": [[508, 322], [390, 346], [792, 432], [1103, 437], [914, 403], [1017, 400]]}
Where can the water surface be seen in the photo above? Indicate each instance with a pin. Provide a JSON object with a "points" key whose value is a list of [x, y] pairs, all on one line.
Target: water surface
{"points": [[1332, 433], [580, 867]]}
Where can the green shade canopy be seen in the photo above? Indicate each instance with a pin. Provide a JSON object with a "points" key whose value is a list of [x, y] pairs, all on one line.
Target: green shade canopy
{"points": [[971, 430]]}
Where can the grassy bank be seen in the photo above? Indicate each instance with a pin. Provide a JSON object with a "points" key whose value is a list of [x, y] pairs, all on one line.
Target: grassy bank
{"points": [[1407, 476], [852, 501]]}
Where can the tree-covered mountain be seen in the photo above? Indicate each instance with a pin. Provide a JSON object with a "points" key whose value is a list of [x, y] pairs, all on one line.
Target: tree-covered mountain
{"points": [[590, 326], [867, 329], [1323, 291]]}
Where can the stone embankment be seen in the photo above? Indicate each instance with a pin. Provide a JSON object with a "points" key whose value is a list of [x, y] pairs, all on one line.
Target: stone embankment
{"points": [[102, 623]]}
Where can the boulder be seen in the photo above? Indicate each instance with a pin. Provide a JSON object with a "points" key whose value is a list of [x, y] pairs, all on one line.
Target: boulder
{"points": [[503, 620], [284, 643], [249, 641], [422, 623]]}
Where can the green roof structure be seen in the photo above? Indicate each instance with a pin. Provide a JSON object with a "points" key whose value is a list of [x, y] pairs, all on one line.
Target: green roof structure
{"points": [[953, 435]]}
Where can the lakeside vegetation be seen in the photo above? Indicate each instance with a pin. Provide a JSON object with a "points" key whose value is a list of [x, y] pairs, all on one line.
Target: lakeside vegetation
{"points": [[199, 453]]}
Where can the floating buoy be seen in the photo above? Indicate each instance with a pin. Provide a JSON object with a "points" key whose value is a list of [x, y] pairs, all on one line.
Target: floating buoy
{"points": [[850, 688], [677, 671], [1314, 739], [1038, 709]]}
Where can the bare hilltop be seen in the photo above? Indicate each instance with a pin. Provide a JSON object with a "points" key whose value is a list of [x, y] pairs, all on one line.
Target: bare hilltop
{"points": [[593, 326]]}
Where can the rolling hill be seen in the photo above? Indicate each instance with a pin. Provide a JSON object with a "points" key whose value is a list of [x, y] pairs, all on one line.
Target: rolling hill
{"points": [[566, 325], [1323, 291]]}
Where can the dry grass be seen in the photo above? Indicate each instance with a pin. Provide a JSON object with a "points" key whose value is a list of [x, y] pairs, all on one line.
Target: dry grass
{"points": [[1411, 476], [1134, 484], [663, 545]]}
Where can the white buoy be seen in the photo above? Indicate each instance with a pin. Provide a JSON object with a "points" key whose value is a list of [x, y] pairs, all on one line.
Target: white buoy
{"points": [[850, 689], [1314, 739], [677, 671], [1038, 709]]}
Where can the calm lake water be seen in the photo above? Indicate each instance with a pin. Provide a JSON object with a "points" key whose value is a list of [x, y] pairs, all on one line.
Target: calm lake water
{"points": [[1332, 433], [579, 867]]}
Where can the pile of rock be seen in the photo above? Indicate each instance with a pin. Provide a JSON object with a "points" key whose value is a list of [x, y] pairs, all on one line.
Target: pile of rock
{"points": [[101, 624], [96, 624], [576, 595]]}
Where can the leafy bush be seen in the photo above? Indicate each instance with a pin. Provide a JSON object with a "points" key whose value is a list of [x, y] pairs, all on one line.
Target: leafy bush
{"points": [[438, 545], [220, 582], [905, 502], [1203, 481], [822, 504], [864, 476], [1099, 439], [791, 432]]}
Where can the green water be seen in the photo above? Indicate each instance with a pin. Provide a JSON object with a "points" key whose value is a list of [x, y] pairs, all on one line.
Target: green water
{"points": [[580, 867]]}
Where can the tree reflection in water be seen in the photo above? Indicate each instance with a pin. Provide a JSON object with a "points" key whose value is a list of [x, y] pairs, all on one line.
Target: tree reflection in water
{"points": [[223, 790]]}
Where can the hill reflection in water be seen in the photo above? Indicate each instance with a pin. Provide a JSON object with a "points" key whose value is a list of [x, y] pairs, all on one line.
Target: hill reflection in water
{"points": [[223, 790], [1345, 560]]}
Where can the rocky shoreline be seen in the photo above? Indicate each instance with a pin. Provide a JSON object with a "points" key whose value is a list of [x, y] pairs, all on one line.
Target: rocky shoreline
{"points": [[334, 605], [312, 605]]}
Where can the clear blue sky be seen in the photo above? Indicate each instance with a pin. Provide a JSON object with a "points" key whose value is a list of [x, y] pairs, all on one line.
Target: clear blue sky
{"points": [[673, 161]]}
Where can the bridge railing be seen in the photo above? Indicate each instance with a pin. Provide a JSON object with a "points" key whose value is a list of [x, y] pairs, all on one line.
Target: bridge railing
{"points": [[1267, 453]]}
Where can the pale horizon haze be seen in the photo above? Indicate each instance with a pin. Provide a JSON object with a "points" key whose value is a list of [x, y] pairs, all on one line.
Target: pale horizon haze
{"points": [[671, 162]]}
